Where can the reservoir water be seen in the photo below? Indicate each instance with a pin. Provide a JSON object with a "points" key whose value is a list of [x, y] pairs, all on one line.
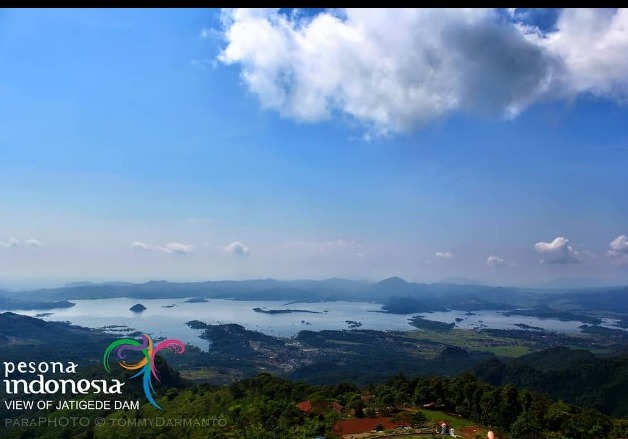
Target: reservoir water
{"points": [[168, 317]]}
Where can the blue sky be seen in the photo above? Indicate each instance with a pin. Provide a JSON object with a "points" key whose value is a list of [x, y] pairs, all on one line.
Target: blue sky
{"points": [[200, 144]]}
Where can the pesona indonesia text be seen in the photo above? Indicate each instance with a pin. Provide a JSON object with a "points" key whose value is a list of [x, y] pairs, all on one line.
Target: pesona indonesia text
{"points": [[39, 384]]}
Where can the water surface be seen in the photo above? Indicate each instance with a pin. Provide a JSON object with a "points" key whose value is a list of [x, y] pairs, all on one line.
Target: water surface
{"points": [[168, 317]]}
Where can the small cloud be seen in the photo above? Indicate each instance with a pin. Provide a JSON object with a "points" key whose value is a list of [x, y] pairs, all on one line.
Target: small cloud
{"points": [[496, 261], [170, 248], [619, 248], [11, 242], [178, 247], [444, 255], [237, 248], [143, 246], [207, 33], [559, 251]]}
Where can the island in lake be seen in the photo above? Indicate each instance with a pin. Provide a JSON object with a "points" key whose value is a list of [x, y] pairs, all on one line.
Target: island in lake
{"points": [[524, 326], [430, 325], [8, 304], [197, 300], [283, 311], [138, 307], [545, 312], [43, 314]]}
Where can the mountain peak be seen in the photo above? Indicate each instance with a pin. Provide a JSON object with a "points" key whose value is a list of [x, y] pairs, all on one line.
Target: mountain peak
{"points": [[395, 280]]}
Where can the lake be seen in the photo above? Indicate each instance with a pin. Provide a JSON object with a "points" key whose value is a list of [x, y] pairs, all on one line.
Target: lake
{"points": [[168, 317]]}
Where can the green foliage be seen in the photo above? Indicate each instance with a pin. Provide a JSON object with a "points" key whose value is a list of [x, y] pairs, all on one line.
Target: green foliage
{"points": [[265, 407], [525, 427], [620, 428], [575, 376], [430, 325], [418, 419]]}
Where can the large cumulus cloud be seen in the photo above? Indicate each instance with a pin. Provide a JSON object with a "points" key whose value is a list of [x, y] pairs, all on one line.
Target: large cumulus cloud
{"points": [[394, 70]]}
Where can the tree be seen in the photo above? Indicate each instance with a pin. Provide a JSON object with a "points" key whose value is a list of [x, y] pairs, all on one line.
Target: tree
{"points": [[620, 428], [490, 400], [508, 407], [525, 427], [418, 419], [557, 415]]}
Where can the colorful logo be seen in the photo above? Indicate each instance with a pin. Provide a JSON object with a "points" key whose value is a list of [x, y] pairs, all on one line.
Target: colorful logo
{"points": [[146, 365]]}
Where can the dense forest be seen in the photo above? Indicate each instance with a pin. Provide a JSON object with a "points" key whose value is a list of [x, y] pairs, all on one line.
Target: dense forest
{"points": [[266, 407], [575, 376]]}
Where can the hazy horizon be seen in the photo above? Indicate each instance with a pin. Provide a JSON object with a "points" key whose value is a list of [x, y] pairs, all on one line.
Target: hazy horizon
{"points": [[559, 283]]}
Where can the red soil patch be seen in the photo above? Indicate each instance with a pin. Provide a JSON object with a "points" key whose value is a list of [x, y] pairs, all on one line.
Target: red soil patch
{"points": [[305, 406], [363, 425], [469, 432]]}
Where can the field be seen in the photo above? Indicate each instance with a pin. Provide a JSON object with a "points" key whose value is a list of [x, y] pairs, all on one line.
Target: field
{"points": [[364, 428]]}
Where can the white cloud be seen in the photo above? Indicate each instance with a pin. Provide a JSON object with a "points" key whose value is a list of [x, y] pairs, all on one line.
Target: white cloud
{"points": [[11, 242], [559, 251], [171, 247], [177, 247], [592, 45], [444, 255], [496, 261], [143, 246], [619, 248], [394, 70], [237, 248]]}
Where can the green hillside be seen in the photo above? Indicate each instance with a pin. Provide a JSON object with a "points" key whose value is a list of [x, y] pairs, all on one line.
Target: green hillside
{"points": [[267, 407], [571, 375]]}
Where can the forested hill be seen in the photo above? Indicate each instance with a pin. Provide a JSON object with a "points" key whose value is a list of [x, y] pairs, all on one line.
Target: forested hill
{"points": [[575, 376], [267, 407]]}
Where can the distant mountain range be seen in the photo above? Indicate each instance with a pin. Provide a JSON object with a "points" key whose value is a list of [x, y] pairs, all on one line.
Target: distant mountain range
{"points": [[396, 294]]}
